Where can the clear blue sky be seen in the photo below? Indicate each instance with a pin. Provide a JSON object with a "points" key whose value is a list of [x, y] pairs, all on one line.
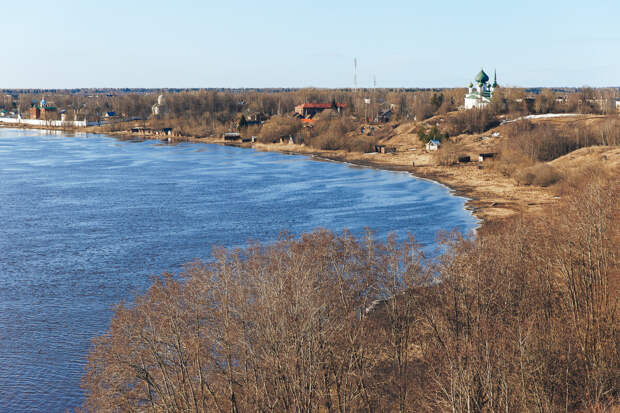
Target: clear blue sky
{"points": [[191, 43]]}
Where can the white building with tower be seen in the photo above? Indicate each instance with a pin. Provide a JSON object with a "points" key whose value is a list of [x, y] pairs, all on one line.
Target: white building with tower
{"points": [[480, 94]]}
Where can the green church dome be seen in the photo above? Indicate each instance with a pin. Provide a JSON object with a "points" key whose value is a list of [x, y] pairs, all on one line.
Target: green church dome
{"points": [[482, 77]]}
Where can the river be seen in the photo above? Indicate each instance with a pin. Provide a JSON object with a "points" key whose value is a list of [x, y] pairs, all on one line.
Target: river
{"points": [[86, 219]]}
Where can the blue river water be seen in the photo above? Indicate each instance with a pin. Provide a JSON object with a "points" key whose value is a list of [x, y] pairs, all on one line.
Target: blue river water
{"points": [[86, 219]]}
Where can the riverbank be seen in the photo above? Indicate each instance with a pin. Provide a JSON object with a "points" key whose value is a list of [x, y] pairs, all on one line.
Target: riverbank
{"points": [[490, 196]]}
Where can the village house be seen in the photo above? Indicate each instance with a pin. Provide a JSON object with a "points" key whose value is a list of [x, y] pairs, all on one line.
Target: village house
{"points": [[483, 156], [292, 140], [163, 131], [255, 118], [432, 145], [232, 136], [140, 129], [612, 103], [384, 116], [308, 110], [385, 149]]}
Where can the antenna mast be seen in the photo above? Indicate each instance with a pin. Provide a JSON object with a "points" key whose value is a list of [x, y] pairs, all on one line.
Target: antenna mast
{"points": [[374, 96], [355, 74]]}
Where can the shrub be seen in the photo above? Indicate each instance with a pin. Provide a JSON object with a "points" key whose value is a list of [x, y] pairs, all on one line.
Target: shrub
{"points": [[329, 132], [278, 126], [449, 153], [471, 121], [363, 145], [327, 142], [539, 175], [511, 161]]}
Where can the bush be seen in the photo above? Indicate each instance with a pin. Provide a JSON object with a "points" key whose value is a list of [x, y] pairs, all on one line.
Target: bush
{"points": [[449, 153], [329, 132], [363, 145], [471, 121], [539, 175], [278, 126], [511, 161], [327, 142]]}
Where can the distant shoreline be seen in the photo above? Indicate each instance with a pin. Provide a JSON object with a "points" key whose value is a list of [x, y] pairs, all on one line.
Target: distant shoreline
{"points": [[488, 201]]}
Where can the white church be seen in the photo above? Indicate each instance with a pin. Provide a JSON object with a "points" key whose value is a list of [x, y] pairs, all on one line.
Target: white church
{"points": [[480, 95]]}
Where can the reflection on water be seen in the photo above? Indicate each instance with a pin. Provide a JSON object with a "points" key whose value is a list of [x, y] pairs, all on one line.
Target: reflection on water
{"points": [[87, 218]]}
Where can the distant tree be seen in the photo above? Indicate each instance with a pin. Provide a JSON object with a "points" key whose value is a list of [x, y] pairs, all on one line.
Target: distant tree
{"points": [[422, 133], [437, 100], [433, 135], [242, 124]]}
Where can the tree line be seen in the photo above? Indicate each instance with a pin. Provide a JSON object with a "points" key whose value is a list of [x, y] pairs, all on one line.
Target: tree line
{"points": [[204, 111]]}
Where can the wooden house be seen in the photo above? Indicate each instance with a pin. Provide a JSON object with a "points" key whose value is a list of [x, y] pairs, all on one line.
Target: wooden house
{"points": [[483, 156]]}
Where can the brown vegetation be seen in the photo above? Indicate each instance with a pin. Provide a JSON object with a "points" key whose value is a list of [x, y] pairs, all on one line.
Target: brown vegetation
{"points": [[539, 174], [450, 153], [523, 318], [278, 127], [529, 145], [472, 121]]}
